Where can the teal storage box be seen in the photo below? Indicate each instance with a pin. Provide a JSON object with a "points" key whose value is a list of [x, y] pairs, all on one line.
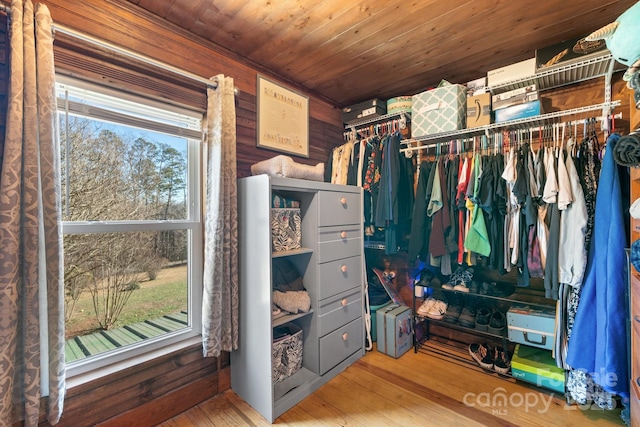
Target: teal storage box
{"points": [[537, 366], [534, 326], [373, 310], [520, 111], [395, 332], [438, 110]]}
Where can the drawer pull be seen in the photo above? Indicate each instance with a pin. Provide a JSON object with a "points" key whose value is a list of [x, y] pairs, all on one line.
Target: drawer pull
{"points": [[343, 268], [345, 336], [343, 234], [344, 302], [636, 317], [343, 201]]}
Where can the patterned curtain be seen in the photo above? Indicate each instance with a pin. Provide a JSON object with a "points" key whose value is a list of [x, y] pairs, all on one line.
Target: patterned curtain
{"points": [[31, 269], [220, 299]]}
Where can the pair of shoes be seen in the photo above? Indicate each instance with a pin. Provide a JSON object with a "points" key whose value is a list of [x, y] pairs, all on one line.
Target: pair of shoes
{"points": [[501, 361], [494, 358], [483, 317], [467, 317], [497, 289], [459, 280], [432, 308], [481, 353], [497, 323]]}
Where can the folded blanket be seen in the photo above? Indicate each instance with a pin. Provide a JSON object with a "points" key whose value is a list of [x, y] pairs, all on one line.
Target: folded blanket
{"points": [[292, 301], [627, 150], [285, 166]]}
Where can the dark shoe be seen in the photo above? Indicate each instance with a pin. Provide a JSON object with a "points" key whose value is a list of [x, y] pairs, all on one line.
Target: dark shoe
{"points": [[501, 290], [467, 317], [483, 317], [497, 323], [481, 353], [474, 287], [501, 361], [453, 313]]}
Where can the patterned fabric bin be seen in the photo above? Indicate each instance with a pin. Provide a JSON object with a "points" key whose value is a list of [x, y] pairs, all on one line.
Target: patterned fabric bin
{"points": [[286, 351], [285, 229], [438, 110]]}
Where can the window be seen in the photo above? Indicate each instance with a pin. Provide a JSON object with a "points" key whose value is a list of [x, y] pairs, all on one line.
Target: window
{"points": [[132, 231]]}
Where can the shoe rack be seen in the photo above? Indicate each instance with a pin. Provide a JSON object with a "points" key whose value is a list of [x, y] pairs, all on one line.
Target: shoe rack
{"points": [[452, 337]]}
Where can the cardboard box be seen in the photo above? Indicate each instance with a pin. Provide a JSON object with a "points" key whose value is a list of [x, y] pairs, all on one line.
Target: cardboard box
{"points": [[479, 110], [395, 330], [520, 111], [537, 366], [515, 100], [534, 326], [517, 71], [364, 110], [568, 52], [438, 110]]}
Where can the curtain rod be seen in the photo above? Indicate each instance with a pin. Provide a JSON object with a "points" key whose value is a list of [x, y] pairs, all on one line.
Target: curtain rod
{"points": [[126, 52]]}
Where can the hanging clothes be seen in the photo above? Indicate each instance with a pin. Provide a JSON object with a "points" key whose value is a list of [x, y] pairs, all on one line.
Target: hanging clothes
{"points": [[602, 311], [421, 223]]}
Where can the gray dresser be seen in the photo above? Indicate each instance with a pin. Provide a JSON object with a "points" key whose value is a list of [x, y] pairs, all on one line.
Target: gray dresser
{"points": [[331, 262]]}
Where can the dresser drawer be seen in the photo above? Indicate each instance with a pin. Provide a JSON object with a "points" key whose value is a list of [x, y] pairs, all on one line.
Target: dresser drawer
{"points": [[340, 344], [339, 310], [339, 242], [339, 208], [339, 276]]}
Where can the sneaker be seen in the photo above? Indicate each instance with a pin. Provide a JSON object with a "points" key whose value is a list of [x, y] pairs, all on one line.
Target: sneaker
{"points": [[467, 317], [501, 361], [481, 353], [425, 307], [483, 317], [437, 310], [497, 323], [454, 279], [464, 280]]}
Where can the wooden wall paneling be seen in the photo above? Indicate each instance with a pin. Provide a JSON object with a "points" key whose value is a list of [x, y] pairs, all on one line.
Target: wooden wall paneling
{"points": [[183, 378]]}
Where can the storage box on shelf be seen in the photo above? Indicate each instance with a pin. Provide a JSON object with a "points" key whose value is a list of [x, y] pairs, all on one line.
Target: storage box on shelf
{"points": [[439, 110], [363, 110], [532, 325], [330, 262]]}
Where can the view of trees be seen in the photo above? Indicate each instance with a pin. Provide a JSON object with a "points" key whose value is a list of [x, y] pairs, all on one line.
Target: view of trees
{"points": [[110, 176]]}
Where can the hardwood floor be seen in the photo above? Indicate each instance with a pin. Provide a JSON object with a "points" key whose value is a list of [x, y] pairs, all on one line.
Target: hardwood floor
{"points": [[416, 389]]}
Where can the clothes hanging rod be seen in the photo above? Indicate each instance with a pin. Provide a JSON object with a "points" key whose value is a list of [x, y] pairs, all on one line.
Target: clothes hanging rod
{"points": [[486, 130], [126, 52]]}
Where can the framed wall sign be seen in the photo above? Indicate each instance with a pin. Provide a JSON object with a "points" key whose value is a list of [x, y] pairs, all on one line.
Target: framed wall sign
{"points": [[283, 118]]}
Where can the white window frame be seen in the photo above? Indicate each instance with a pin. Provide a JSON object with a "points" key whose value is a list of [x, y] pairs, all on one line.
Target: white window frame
{"points": [[102, 364]]}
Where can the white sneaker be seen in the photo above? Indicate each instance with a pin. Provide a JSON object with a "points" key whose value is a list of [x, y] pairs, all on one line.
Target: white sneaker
{"points": [[426, 306]]}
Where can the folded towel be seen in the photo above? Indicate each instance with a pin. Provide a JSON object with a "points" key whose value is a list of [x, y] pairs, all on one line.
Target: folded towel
{"points": [[627, 150]]}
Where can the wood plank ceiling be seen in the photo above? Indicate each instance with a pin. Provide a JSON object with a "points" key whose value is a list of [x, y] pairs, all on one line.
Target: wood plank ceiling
{"points": [[348, 51]]}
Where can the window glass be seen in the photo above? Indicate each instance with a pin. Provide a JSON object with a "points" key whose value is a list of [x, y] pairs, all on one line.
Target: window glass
{"points": [[130, 198]]}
